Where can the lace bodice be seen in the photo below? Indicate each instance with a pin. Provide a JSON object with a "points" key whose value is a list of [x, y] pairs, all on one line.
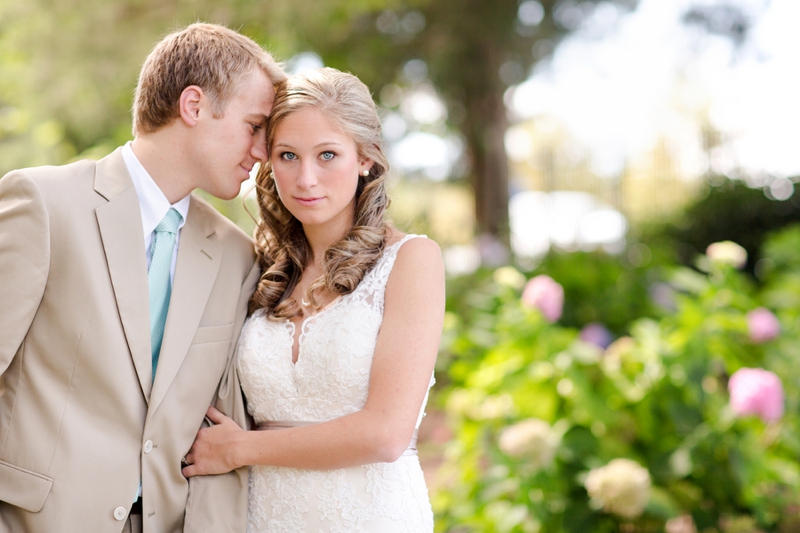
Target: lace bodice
{"points": [[329, 380]]}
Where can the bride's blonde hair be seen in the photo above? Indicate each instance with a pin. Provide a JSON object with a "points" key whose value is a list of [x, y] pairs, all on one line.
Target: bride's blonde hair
{"points": [[281, 244]]}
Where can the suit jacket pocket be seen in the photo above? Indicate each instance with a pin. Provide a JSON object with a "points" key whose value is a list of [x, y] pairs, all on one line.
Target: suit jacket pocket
{"points": [[23, 488], [213, 334], [217, 503]]}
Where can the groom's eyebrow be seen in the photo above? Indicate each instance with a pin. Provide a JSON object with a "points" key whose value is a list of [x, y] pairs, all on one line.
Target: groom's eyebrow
{"points": [[263, 119]]}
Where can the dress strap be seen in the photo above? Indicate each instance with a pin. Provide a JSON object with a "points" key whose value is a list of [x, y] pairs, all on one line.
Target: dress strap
{"points": [[396, 246], [386, 262]]}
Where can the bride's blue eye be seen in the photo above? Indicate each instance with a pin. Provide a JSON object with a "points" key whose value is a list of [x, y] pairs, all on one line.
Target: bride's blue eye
{"points": [[288, 156], [327, 156]]}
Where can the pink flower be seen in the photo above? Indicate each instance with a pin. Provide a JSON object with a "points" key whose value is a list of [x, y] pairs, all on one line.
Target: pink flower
{"points": [[755, 391], [762, 325], [544, 294], [596, 334]]}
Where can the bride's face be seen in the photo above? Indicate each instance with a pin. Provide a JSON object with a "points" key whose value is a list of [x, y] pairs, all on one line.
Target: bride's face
{"points": [[316, 169]]}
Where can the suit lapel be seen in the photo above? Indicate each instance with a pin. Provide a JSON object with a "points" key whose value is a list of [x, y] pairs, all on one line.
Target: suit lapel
{"points": [[120, 223], [199, 258]]}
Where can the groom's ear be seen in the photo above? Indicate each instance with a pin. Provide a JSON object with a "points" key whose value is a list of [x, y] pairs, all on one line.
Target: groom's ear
{"points": [[191, 103]]}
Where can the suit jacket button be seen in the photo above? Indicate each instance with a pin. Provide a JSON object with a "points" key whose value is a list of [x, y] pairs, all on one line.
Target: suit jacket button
{"points": [[148, 446], [120, 513]]}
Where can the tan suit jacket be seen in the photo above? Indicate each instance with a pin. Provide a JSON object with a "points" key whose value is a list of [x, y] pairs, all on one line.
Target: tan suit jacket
{"points": [[80, 422]]}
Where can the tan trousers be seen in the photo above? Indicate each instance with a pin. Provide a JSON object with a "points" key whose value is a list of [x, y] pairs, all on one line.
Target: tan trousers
{"points": [[134, 524]]}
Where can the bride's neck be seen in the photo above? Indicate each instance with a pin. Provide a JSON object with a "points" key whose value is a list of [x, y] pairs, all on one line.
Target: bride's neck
{"points": [[320, 238]]}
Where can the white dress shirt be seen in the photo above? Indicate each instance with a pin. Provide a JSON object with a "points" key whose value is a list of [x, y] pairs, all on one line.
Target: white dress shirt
{"points": [[153, 205]]}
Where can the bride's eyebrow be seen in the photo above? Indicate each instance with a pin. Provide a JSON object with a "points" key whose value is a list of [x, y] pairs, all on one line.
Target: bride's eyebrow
{"points": [[327, 143], [315, 147]]}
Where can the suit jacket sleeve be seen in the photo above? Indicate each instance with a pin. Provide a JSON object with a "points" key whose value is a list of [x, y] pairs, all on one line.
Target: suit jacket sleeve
{"points": [[230, 399], [228, 491], [24, 260]]}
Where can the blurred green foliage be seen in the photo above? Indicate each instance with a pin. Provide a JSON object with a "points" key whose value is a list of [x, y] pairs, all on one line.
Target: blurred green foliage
{"points": [[729, 210], [657, 395], [604, 288], [599, 287]]}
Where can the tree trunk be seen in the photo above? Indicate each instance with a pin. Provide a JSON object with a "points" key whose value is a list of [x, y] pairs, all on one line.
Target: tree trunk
{"points": [[484, 130]]}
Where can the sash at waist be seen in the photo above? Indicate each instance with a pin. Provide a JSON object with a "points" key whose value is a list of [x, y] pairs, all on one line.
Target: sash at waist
{"points": [[287, 424]]}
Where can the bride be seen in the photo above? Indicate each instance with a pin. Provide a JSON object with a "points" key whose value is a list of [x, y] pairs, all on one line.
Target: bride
{"points": [[337, 356]]}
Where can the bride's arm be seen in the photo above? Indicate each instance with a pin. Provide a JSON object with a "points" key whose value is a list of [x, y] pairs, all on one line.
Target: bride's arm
{"points": [[404, 358]]}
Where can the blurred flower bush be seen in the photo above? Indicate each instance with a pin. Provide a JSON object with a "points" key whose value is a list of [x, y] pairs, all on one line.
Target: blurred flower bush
{"points": [[686, 422]]}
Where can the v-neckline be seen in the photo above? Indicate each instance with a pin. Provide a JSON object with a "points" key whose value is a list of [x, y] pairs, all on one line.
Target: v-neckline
{"points": [[297, 338]]}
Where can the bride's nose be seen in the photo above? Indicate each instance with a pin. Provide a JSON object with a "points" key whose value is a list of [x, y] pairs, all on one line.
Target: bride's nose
{"points": [[307, 178]]}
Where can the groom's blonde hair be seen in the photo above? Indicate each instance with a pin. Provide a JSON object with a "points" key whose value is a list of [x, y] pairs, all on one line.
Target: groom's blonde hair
{"points": [[210, 56]]}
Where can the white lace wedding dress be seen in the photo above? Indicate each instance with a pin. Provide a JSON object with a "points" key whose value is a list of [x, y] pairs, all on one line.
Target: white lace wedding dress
{"points": [[329, 380]]}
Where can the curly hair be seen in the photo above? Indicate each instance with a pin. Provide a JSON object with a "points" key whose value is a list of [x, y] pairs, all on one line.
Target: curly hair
{"points": [[281, 244]]}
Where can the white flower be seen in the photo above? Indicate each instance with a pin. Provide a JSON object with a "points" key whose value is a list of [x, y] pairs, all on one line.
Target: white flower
{"points": [[497, 406], [727, 252], [509, 276], [622, 487], [531, 439], [681, 524], [460, 402]]}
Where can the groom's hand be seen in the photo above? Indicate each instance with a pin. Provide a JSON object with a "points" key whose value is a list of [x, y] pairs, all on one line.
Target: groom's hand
{"points": [[214, 447]]}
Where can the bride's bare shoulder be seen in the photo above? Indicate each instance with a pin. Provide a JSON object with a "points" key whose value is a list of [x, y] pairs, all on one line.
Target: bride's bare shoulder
{"points": [[413, 250], [418, 264]]}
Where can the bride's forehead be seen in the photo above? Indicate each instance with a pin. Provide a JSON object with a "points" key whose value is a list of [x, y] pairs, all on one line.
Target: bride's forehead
{"points": [[309, 117], [310, 128]]}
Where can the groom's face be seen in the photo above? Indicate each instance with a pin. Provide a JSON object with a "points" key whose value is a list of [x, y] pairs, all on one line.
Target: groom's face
{"points": [[229, 146]]}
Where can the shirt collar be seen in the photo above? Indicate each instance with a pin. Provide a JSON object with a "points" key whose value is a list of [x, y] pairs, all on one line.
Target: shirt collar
{"points": [[152, 202]]}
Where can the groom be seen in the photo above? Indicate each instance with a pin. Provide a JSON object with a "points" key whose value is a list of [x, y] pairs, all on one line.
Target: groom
{"points": [[121, 300]]}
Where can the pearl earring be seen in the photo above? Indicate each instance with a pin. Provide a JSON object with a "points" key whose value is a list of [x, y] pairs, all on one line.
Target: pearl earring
{"points": [[365, 173]]}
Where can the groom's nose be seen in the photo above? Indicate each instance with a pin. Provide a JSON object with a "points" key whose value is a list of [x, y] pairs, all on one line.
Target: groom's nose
{"points": [[258, 150]]}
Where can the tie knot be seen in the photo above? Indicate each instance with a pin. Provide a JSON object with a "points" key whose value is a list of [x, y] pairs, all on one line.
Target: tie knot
{"points": [[170, 222]]}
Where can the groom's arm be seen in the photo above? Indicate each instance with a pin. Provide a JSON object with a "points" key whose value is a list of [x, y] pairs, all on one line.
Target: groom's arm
{"points": [[219, 503], [230, 399], [24, 259]]}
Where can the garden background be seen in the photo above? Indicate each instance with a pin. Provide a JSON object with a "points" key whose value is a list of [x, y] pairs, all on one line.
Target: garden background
{"points": [[612, 185]]}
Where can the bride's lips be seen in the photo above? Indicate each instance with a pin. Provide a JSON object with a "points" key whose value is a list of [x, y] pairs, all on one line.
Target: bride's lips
{"points": [[308, 202]]}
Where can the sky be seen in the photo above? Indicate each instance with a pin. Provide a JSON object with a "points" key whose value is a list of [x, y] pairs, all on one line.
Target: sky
{"points": [[626, 79]]}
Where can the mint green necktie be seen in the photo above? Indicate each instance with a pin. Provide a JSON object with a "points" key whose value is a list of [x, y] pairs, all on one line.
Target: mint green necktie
{"points": [[158, 279]]}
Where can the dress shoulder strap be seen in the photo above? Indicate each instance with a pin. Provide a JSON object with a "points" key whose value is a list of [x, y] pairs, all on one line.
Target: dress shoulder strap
{"points": [[374, 283], [385, 264]]}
